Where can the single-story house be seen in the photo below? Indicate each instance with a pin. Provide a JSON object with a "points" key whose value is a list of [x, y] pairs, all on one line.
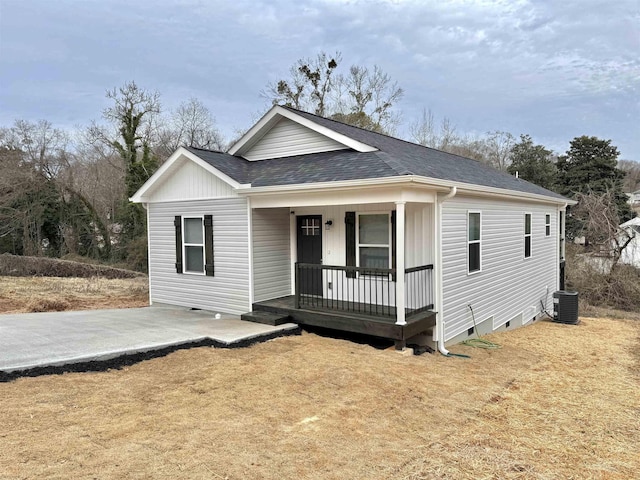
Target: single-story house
{"points": [[631, 254], [329, 224], [633, 198]]}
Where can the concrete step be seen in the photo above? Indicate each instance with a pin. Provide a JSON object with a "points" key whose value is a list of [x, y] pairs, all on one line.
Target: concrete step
{"points": [[266, 318]]}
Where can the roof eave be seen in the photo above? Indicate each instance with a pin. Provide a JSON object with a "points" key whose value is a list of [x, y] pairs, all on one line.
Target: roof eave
{"points": [[404, 180]]}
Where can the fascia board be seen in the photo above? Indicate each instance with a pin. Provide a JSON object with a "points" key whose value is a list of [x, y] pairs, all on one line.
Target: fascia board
{"points": [[138, 197], [405, 179], [270, 118], [256, 132], [167, 166]]}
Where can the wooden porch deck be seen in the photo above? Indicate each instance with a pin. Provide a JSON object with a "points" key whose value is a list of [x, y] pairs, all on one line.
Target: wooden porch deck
{"points": [[338, 319]]}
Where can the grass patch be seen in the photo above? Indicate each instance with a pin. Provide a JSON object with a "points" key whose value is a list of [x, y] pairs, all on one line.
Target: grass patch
{"points": [[46, 294], [557, 401]]}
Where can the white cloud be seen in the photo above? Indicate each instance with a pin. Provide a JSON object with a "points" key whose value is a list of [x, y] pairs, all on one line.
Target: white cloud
{"points": [[535, 66]]}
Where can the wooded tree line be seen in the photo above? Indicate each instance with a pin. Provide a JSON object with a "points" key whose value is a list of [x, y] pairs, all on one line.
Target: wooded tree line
{"points": [[66, 193]]}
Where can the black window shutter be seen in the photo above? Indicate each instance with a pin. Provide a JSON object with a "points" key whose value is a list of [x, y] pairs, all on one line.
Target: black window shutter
{"points": [[208, 245], [393, 242], [350, 242], [178, 224]]}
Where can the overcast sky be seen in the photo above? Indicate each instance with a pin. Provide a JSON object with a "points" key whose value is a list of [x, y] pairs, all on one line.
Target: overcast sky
{"points": [[554, 69]]}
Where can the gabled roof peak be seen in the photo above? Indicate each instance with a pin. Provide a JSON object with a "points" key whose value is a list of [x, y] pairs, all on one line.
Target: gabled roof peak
{"points": [[276, 114]]}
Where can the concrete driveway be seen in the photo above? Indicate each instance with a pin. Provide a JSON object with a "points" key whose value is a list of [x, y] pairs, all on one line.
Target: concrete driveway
{"points": [[34, 340]]}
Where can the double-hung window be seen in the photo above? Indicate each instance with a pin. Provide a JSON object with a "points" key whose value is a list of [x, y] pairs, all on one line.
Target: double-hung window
{"points": [[193, 244], [561, 234], [547, 225], [474, 240], [527, 235], [374, 240]]}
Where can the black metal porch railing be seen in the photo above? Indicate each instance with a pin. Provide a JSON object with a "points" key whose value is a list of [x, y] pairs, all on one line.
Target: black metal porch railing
{"points": [[418, 288], [367, 291]]}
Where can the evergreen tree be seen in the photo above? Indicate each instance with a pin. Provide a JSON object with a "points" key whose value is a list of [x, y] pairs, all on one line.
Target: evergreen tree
{"points": [[590, 166], [533, 163]]}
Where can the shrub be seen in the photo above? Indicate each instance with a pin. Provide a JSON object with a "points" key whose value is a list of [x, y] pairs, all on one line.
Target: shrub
{"points": [[20, 266], [619, 288]]}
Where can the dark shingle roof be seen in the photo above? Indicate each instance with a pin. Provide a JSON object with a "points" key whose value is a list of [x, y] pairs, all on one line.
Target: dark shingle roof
{"points": [[394, 157]]}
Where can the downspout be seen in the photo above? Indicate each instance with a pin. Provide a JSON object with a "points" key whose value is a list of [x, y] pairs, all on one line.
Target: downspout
{"points": [[439, 315]]}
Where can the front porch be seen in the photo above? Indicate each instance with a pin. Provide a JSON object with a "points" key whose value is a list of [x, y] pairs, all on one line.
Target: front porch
{"points": [[349, 320], [355, 299], [359, 261]]}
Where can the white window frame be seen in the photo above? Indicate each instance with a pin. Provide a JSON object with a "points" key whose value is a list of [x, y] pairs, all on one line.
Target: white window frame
{"points": [[378, 245], [547, 225], [562, 218], [469, 242], [185, 245], [525, 235]]}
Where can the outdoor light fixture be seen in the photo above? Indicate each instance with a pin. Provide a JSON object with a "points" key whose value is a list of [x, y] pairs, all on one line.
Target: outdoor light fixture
{"points": [[327, 224]]}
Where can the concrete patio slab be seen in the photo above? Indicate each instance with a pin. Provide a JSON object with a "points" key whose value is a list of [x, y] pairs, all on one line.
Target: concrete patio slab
{"points": [[34, 340]]}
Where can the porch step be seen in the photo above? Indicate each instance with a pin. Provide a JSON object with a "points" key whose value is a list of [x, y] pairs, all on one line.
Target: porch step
{"points": [[266, 318]]}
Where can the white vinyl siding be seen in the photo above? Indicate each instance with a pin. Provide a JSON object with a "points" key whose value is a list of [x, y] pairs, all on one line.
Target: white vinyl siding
{"points": [[271, 253], [190, 181], [507, 285], [288, 138], [228, 290]]}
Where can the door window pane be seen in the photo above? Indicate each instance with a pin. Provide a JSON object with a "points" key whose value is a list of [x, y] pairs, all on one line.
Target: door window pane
{"points": [[311, 227]]}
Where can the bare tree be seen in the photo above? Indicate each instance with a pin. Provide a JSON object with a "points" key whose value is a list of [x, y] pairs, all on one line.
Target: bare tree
{"points": [[370, 97], [423, 130], [33, 155], [443, 137], [598, 215], [43, 145], [308, 86], [498, 147], [363, 97], [631, 181], [191, 125]]}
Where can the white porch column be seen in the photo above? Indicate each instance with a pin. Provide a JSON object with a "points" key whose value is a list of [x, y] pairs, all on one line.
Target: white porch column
{"points": [[400, 300]]}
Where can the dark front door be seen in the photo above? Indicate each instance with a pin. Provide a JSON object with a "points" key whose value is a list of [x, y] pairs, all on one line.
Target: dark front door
{"points": [[309, 233]]}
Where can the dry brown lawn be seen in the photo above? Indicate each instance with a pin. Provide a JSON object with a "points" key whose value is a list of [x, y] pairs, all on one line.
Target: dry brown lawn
{"points": [[557, 401], [42, 294]]}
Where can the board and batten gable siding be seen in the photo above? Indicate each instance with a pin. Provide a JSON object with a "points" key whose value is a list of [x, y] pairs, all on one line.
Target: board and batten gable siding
{"points": [[228, 290], [271, 253], [508, 284], [288, 138], [191, 181]]}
